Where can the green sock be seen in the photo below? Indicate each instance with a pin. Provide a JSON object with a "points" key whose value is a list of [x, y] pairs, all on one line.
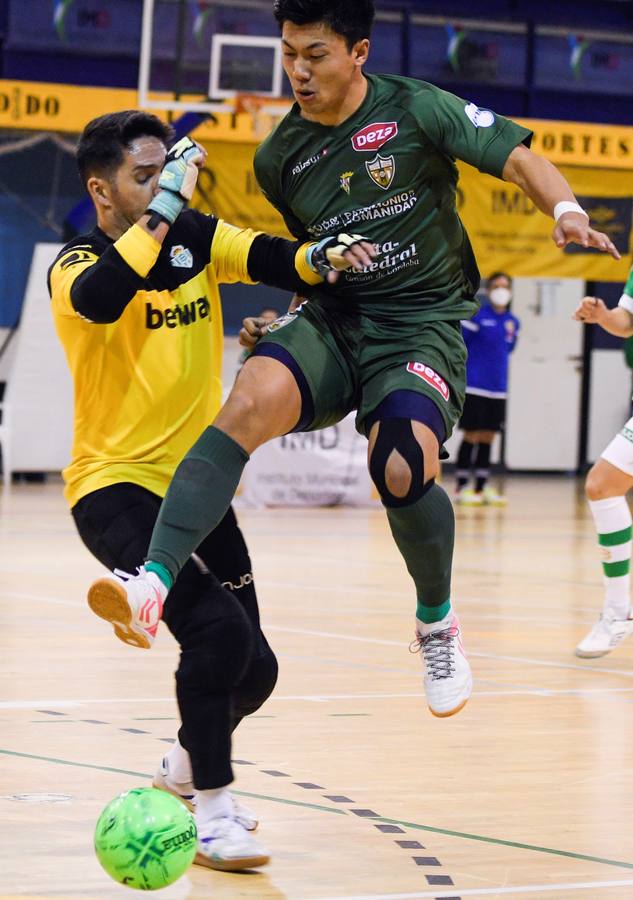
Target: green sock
{"points": [[425, 535], [163, 573], [197, 499]]}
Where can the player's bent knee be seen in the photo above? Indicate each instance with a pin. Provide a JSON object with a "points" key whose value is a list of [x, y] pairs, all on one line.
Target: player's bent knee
{"points": [[396, 464], [596, 485], [216, 644], [257, 684]]}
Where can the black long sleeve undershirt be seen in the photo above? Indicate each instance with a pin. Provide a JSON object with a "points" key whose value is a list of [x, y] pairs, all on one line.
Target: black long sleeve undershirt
{"points": [[271, 260], [102, 291]]}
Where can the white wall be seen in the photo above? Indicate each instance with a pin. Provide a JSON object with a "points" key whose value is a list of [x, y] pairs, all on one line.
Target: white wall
{"points": [[609, 399]]}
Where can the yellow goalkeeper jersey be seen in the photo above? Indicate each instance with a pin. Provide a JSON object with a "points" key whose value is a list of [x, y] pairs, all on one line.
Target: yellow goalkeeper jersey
{"points": [[147, 384]]}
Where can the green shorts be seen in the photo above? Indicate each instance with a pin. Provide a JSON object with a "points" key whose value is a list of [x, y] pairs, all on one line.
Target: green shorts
{"points": [[351, 361]]}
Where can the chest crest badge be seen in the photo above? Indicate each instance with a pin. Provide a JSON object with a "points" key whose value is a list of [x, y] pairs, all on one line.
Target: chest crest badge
{"points": [[180, 257], [381, 170], [345, 179]]}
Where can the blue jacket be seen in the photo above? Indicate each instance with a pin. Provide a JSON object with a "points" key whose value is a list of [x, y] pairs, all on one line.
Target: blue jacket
{"points": [[490, 338]]}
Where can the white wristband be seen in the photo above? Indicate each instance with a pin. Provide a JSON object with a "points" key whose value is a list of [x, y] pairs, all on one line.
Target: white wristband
{"points": [[566, 206]]}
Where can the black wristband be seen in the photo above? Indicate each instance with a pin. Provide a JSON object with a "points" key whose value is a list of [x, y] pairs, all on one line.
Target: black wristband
{"points": [[155, 219]]}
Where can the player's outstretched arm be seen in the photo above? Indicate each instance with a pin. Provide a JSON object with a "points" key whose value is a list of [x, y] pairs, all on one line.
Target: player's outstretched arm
{"points": [[549, 191], [593, 311]]}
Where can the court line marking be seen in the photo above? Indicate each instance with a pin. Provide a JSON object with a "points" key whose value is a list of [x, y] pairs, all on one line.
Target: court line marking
{"points": [[361, 591], [390, 643], [488, 892], [414, 825], [145, 775], [313, 698]]}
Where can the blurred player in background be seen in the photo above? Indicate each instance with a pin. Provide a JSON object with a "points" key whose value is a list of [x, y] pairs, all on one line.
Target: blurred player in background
{"points": [[607, 484], [490, 338], [255, 327], [375, 152], [137, 308]]}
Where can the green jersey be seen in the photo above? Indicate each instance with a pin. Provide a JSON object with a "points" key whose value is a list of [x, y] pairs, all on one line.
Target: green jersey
{"points": [[388, 172], [626, 300]]}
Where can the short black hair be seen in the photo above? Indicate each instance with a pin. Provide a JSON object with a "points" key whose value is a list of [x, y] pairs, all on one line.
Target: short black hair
{"points": [[496, 275], [103, 141], [352, 19]]}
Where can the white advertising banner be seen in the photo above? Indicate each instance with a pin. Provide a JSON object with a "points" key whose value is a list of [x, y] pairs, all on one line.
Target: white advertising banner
{"points": [[317, 468]]}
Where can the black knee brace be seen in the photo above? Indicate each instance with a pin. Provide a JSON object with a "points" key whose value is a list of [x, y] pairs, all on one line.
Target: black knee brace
{"points": [[257, 684], [397, 434], [214, 633]]}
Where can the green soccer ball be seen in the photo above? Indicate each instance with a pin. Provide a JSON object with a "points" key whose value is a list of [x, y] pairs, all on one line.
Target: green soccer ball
{"points": [[145, 839]]}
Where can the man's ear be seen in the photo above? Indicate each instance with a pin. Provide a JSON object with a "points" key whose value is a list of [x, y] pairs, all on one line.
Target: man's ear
{"points": [[360, 52], [99, 190]]}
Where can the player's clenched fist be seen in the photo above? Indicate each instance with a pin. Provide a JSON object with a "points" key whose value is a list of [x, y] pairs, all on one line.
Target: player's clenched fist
{"points": [[339, 252], [590, 310], [178, 179]]}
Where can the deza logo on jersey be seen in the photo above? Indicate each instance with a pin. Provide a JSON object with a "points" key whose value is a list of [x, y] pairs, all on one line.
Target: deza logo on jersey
{"points": [[373, 136], [426, 373]]}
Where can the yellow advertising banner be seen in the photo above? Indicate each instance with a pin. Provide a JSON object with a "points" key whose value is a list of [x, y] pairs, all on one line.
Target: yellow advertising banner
{"points": [[507, 231], [227, 187], [581, 144], [39, 106], [65, 107]]}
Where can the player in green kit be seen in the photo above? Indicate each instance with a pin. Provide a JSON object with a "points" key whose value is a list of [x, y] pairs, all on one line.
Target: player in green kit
{"points": [[373, 154]]}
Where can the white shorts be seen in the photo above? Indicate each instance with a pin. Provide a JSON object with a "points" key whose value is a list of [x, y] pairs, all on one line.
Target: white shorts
{"points": [[620, 451]]}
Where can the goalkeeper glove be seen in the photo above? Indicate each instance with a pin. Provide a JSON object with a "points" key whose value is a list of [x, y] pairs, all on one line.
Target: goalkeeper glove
{"points": [[177, 180], [328, 255]]}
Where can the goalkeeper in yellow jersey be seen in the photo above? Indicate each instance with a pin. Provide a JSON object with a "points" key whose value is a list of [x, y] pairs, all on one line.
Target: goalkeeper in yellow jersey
{"points": [[137, 309]]}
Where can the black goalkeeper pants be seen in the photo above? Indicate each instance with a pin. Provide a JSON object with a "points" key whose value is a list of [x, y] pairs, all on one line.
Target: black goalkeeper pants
{"points": [[226, 668]]}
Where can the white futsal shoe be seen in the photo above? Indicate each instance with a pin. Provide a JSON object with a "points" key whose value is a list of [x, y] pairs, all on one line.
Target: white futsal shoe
{"points": [[226, 845], [133, 604], [186, 793], [448, 681], [605, 636]]}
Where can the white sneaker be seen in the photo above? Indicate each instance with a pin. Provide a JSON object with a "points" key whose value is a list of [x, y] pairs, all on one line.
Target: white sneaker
{"points": [[468, 497], [186, 793], [605, 635], [448, 681], [226, 845], [132, 603], [491, 497]]}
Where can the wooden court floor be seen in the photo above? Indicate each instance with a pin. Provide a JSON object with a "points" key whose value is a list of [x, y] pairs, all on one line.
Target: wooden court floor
{"points": [[362, 794]]}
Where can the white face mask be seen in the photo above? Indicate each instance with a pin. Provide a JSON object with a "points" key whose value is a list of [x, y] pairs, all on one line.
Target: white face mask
{"points": [[500, 296]]}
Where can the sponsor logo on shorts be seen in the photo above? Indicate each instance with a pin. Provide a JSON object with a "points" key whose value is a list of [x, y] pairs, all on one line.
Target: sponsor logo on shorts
{"points": [[481, 118], [426, 373], [381, 170], [627, 433], [282, 321], [373, 136]]}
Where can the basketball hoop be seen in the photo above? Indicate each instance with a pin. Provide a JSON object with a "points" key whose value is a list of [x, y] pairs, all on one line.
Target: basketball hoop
{"points": [[265, 112]]}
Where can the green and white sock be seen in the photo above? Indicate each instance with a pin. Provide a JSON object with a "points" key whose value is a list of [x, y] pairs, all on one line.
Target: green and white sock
{"points": [[612, 518]]}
